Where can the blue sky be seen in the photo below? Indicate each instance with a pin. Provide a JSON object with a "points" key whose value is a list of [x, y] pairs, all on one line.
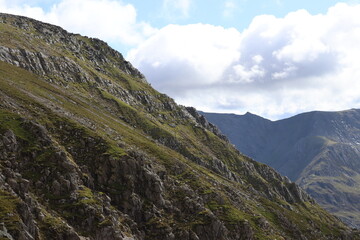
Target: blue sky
{"points": [[239, 14], [274, 58]]}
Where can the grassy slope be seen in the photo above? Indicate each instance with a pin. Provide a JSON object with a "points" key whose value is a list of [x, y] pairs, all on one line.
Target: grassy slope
{"points": [[334, 190]]}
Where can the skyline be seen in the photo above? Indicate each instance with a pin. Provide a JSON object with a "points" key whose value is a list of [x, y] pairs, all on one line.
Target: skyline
{"points": [[272, 58]]}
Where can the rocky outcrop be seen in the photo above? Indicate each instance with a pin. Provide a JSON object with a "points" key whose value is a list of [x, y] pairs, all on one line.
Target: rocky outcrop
{"points": [[50, 172], [205, 124], [39, 63], [97, 52]]}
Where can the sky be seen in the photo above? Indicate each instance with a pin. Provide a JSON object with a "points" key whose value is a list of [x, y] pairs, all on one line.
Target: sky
{"points": [[274, 58]]}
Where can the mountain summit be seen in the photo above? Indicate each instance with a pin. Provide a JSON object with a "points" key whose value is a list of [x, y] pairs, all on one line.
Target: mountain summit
{"points": [[318, 150], [89, 150]]}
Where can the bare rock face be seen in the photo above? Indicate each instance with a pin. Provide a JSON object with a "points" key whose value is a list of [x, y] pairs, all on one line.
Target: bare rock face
{"points": [[88, 150]]}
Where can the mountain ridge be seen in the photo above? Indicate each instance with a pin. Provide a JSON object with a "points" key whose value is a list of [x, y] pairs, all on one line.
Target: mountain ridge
{"points": [[89, 150], [318, 150]]}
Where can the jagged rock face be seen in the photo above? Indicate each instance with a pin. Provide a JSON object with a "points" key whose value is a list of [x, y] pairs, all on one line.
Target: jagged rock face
{"points": [[88, 150], [318, 150], [98, 53]]}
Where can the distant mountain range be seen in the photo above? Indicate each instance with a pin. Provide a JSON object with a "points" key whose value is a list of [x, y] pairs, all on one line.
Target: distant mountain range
{"points": [[318, 150]]}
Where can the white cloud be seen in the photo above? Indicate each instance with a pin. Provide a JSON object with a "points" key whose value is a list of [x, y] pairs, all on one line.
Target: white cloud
{"points": [[242, 75], [109, 20], [181, 57], [176, 8], [277, 66]]}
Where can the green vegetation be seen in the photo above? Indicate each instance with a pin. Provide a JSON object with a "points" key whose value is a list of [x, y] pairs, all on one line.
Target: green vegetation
{"points": [[13, 122], [116, 151], [228, 213], [53, 224], [86, 196], [8, 213]]}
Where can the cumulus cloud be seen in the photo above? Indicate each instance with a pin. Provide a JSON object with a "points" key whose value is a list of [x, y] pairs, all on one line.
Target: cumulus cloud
{"points": [[291, 48], [109, 20], [180, 58], [277, 66]]}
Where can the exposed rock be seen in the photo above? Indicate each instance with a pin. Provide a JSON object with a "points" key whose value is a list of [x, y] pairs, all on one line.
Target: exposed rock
{"points": [[204, 123]]}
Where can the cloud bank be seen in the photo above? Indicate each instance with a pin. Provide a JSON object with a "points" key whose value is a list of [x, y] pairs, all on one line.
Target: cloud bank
{"points": [[277, 66]]}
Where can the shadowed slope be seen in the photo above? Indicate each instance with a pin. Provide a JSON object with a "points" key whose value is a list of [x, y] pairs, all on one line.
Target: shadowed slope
{"points": [[318, 150]]}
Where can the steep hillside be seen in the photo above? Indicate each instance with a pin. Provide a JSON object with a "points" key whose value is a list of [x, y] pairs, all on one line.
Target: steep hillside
{"points": [[318, 150], [88, 150]]}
